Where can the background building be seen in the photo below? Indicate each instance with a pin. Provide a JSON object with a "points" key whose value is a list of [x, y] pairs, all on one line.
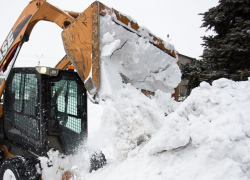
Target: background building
{"points": [[184, 88]]}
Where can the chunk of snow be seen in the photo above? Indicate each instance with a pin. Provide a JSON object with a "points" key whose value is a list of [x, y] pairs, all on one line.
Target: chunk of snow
{"points": [[107, 38], [108, 49]]}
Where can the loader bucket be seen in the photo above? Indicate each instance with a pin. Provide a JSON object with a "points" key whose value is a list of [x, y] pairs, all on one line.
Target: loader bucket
{"points": [[84, 48], [81, 43]]}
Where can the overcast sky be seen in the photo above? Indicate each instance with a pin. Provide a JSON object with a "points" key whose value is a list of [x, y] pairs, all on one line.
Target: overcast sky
{"points": [[178, 18]]}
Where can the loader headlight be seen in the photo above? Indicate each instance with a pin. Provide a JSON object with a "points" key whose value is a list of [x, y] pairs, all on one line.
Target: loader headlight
{"points": [[47, 70], [42, 70], [53, 72]]}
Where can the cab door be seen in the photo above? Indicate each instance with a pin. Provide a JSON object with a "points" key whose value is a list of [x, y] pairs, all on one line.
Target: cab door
{"points": [[21, 108]]}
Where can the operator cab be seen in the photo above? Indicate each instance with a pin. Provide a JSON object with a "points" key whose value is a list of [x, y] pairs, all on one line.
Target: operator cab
{"points": [[44, 108]]}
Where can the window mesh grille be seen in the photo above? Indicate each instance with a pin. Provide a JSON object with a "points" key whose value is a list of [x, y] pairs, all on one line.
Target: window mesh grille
{"points": [[64, 96], [21, 110]]}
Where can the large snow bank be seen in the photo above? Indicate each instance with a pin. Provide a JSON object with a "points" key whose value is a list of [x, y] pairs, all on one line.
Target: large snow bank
{"points": [[207, 137]]}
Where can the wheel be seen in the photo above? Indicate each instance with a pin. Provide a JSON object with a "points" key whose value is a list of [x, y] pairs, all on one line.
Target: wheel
{"points": [[18, 168], [97, 161]]}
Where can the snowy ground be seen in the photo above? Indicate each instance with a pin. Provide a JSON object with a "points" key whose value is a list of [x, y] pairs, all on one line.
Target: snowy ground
{"points": [[205, 137]]}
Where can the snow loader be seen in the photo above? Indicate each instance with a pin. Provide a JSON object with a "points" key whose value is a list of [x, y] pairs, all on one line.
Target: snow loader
{"points": [[45, 108]]}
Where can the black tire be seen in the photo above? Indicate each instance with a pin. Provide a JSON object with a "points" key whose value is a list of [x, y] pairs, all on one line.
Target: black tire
{"points": [[20, 167], [97, 161]]}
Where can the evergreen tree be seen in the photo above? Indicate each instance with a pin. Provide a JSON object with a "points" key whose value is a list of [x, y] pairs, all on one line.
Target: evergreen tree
{"points": [[227, 53]]}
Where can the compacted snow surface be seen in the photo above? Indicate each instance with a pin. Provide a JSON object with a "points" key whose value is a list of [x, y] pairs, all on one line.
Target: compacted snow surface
{"points": [[205, 137]]}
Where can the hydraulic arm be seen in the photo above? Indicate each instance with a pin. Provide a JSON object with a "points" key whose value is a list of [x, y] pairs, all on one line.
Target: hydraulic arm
{"points": [[35, 11], [80, 38]]}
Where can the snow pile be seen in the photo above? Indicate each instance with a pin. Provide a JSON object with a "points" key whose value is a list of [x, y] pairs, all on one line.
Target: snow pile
{"points": [[207, 137], [127, 57], [212, 113]]}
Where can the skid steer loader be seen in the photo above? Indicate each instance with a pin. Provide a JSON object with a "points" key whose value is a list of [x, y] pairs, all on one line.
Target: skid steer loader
{"points": [[42, 107]]}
